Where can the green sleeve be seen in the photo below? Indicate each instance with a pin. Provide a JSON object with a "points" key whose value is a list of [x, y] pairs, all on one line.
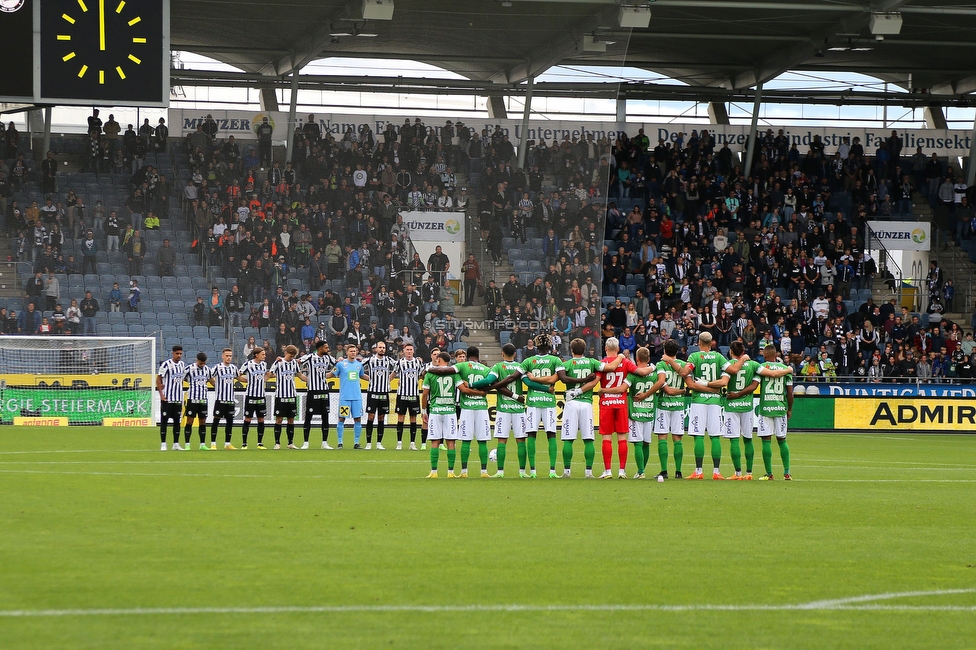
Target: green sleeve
{"points": [[534, 385], [484, 384]]}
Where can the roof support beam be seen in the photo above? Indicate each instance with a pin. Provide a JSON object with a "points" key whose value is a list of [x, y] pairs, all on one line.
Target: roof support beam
{"points": [[935, 118], [308, 47], [717, 113]]}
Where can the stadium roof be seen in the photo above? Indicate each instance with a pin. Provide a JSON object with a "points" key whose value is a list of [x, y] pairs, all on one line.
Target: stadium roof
{"points": [[705, 43]]}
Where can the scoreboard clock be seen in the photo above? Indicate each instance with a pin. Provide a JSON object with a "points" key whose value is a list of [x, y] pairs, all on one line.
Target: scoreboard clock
{"points": [[85, 52]]}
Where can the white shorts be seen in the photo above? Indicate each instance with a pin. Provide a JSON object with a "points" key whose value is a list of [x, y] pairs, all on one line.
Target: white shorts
{"points": [[640, 431], [510, 423], [442, 426], [535, 414], [474, 425], [705, 418], [672, 422], [772, 426], [578, 418], [737, 424]]}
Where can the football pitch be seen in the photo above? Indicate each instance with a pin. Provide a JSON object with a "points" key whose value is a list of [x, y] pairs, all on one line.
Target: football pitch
{"points": [[106, 542]]}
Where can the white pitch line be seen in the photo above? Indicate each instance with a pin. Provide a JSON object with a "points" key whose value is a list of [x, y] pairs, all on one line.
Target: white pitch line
{"points": [[858, 603]]}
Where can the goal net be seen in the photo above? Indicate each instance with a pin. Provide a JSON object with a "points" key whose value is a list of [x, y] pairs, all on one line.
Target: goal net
{"points": [[77, 380]]}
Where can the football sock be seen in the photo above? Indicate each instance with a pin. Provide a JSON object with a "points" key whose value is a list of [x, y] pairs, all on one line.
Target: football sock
{"points": [[228, 431], [607, 453], [639, 456], [589, 453], [423, 436], [679, 454], [162, 432], [260, 432], [552, 451], [522, 453], [290, 429], [213, 430], [699, 452], [716, 451], [187, 430], [413, 432], [767, 454], [325, 430], [202, 433], [567, 454], [736, 454], [750, 454], [646, 448], [307, 429], [530, 450], [465, 452], [380, 429], [400, 432], [501, 451], [244, 429], [340, 426], [483, 454], [435, 455], [357, 431], [451, 457], [369, 431], [784, 453], [662, 454], [622, 452], [277, 433]]}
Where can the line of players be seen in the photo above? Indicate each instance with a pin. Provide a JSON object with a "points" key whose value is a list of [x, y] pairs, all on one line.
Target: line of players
{"points": [[315, 369], [637, 402]]}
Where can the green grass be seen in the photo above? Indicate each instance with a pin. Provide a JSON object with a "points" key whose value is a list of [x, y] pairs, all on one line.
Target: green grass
{"points": [[98, 518]]}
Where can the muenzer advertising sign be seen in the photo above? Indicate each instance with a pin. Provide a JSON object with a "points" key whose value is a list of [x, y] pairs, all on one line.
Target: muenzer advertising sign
{"points": [[901, 235]]}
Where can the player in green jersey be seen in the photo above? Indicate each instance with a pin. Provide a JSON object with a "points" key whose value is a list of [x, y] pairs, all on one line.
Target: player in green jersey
{"points": [[543, 368], [578, 411], [509, 411], [640, 409], [473, 423], [775, 408], [437, 404], [670, 414], [704, 376], [739, 416]]}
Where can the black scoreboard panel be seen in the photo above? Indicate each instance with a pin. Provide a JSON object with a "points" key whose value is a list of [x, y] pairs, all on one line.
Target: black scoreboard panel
{"points": [[17, 28], [85, 52]]}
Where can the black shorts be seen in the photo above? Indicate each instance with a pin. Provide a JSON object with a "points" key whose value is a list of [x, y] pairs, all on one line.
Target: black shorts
{"points": [[196, 410], [224, 410], [317, 403], [285, 407], [378, 403], [409, 405], [255, 406], [171, 411]]}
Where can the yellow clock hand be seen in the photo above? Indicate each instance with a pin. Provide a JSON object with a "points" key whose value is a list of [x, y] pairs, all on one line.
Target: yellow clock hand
{"points": [[101, 25]]}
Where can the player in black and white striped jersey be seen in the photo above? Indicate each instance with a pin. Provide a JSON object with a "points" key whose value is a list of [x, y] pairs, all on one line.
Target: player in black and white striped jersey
{"points": [[317, 367], [254, 373], [409, 370], [286, 397], [197, 375], [169, 383], [379, 368], [222, 377]]}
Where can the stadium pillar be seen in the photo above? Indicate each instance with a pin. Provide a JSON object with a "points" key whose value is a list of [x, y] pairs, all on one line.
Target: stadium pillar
{"points": [[754, 124], [526, 111], [46, 142], [621, 109], [496, 108], [935, 118], [718, 114], [971, 163], [292, 114], [269, 99]]}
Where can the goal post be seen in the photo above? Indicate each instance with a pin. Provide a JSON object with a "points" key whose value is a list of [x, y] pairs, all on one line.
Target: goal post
{"points": [[77, 380]]}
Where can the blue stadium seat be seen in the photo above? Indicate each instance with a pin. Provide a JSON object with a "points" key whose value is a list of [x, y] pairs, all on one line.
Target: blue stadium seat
{"points": [[215, 332], [132, 317], [184, 331], [120, 330], [164, 318], [201, 332], [116, 317]]}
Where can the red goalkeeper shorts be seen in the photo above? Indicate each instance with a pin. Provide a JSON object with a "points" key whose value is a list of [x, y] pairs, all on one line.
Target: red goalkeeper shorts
{"points": [[613, 419]]}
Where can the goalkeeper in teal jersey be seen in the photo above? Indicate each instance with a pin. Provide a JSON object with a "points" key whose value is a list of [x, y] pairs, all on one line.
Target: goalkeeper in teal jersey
{"points": [[704, 376], [670, 414], [510, 408], [640, 409], [738, 407], [578, 412], [775, 408]]}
